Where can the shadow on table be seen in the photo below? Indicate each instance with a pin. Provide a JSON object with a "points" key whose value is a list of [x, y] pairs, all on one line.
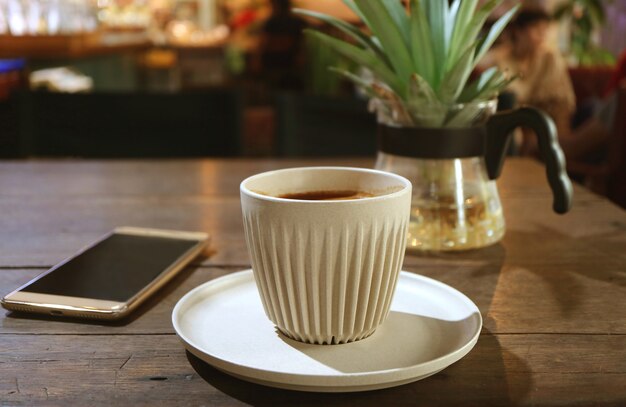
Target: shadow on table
{"points": [[475, 273], [554, 256], [152, 301], [595, 257]]}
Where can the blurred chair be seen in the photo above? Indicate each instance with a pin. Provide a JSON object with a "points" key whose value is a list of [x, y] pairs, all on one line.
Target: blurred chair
{"points": [[322, 126], [8, 129], [607, 178], [130, 125], [259, 131], [589, 84], [616, 180]]}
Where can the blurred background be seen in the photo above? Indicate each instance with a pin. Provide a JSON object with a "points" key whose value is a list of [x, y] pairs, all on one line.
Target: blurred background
{"points": [[206, 78]]}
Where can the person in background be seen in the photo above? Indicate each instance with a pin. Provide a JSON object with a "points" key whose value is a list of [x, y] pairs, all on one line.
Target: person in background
{"points": [[281, 47], [542, 77]]}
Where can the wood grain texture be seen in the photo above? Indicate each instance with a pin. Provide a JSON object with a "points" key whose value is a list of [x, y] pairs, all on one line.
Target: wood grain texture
{"points": [[42, 230], [552, 293], [145, 178], [149, 370], [149, 178], [539, 299]]}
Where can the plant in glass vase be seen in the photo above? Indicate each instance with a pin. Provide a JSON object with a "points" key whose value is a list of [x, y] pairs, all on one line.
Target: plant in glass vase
{"points": [[437, 126]]}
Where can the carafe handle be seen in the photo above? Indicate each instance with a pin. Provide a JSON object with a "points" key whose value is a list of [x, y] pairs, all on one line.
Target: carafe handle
{"points": [[499, 128]]}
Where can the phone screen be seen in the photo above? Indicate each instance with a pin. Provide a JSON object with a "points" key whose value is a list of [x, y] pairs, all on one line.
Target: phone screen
{"points": [[114, 269]]}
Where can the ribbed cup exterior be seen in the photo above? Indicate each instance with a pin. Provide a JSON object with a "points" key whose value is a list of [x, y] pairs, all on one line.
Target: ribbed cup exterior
{"points": [[327, 271]]}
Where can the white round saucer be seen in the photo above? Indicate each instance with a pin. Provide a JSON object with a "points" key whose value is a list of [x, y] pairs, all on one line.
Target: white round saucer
{"points": [[431, 325]]}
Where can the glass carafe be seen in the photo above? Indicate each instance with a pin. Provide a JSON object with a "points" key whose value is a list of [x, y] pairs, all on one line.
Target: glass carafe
{"points": [[453, 164], [455, 206]]}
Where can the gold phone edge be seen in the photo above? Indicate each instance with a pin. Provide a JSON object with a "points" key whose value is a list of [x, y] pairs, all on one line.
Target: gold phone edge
{"points": [[100, 309]]}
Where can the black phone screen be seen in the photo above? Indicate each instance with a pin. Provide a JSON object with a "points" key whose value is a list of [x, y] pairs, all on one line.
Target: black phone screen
{"points": [[114, 269]]}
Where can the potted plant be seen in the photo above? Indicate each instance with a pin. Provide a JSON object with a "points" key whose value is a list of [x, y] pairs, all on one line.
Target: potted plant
{"points": [[437, 126], [584, 17]]}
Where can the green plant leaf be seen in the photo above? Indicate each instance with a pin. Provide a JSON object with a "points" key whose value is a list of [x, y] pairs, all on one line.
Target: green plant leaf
{"points": [[494, 86], [450, 19], [357, 80], [478, 20], [455, 79], [362, 57], [480, 92], [391, 38], [596, 11], [420, 89], [421, 45], [394, 104], [436, 13], [422, 61], [376, 41], [464, 117], [423, 103], [475, 87], [495, 32], [355, 9], [463, 17], [349, 29], [399, 16]]}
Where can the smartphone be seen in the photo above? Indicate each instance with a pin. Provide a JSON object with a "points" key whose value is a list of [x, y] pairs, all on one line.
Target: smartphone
{"points": [[111, 277]]}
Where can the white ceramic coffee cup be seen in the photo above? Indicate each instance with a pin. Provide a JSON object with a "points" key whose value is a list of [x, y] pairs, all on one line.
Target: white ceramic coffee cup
{"points": [[326, 270]]}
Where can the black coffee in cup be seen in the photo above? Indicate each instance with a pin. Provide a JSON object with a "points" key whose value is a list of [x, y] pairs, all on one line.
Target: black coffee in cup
{"points": [[327, 195]]}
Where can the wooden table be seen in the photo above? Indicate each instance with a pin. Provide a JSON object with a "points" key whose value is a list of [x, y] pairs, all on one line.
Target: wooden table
{"points": [[552, 294]]}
